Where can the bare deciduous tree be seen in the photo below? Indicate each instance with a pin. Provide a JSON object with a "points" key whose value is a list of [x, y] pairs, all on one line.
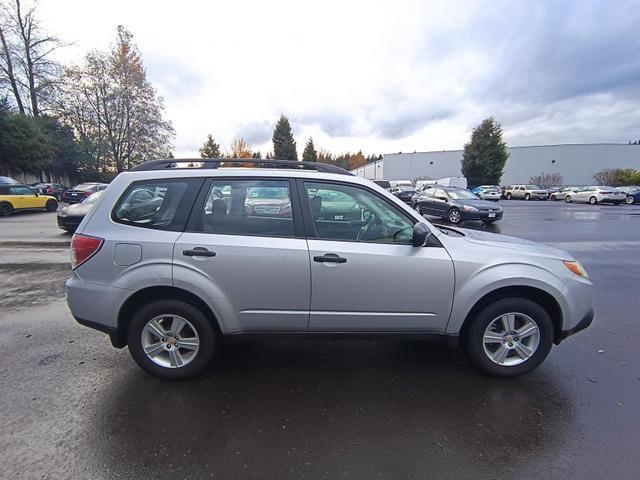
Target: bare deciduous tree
{"points": [[26, 61], [606, 176], [547, 180]]}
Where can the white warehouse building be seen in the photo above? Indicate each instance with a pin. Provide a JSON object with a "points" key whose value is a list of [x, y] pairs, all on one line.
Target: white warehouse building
{"points": [[577, 163]]}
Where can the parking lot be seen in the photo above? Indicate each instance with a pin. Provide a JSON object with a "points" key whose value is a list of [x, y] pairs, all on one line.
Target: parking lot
{"points": [[74, 407]]}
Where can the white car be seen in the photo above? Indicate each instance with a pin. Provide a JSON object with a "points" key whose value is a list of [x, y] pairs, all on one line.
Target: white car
{"points": [[487, 192], [595, 195]]}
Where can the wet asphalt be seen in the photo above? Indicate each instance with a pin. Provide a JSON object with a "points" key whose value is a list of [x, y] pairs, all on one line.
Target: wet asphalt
{"points": [[74, 407]]}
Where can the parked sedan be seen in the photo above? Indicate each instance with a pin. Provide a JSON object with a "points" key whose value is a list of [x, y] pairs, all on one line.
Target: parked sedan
{"points": [[52, 189], [596, 194], [80, 192], [70, 217], [487, 192], [562, 193], [457, 205], [632, 193], [404, 192]]}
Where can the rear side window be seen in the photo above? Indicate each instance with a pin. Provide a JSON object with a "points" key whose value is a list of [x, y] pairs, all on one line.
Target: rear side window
{"points": [[159, 204], [248, 207]]}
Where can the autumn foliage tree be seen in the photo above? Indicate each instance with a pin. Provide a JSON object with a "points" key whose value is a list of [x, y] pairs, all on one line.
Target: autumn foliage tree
{"points": [[116, 112]]}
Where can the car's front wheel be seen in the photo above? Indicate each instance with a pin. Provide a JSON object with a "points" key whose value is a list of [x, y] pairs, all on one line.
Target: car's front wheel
{"points": [[527, 196], [454, 216], [568, 199], [171, 339], [510, 337], [419, 209], [593, 200]]}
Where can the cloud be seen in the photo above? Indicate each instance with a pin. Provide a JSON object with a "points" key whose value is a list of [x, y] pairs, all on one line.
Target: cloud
{"points": [[381, 76]]}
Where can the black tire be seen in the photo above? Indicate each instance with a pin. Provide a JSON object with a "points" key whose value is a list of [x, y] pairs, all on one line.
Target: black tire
{"points": [[593, 201], [6, 209], [201, 324], [527, 196], [454, 216], [630, 200], [568, 199], [475, 333], [508, 196], [419, 209], [51, 206]]}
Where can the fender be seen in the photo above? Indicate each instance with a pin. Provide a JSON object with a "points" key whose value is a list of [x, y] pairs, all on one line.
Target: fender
{"points": [[472, 288]]}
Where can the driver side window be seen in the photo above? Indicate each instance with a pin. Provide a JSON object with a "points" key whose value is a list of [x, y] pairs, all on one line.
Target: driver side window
{"points": [[349, 213]]}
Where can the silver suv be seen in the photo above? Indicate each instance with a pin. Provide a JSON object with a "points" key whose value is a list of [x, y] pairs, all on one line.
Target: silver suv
{"points": [[171, 259]]}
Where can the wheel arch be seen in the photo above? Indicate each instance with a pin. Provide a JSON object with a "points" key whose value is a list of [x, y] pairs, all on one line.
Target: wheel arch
{"points": [[541, 297], [149, 294]]}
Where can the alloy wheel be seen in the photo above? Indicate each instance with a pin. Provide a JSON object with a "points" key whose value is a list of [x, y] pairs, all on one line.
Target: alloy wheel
{"points": [[170, 341], [630, 200], [593, 200], [455, 216], [511, 339]]}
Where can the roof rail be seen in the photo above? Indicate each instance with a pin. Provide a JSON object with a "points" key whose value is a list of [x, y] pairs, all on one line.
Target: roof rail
{"points": [[213, 163]]}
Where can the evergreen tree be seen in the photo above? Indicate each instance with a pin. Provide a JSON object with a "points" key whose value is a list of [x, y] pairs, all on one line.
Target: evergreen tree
{"points": [[310, 154], [284, 146], [210, 149], [485, 156]]}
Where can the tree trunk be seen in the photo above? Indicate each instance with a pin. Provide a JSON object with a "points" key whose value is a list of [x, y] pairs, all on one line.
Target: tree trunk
{"points": [[11, 74]]}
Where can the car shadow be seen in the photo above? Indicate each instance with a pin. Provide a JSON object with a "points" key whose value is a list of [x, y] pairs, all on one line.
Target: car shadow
{"points": [[394, 409]]}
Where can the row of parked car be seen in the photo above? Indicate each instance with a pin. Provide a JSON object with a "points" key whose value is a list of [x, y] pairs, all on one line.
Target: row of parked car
{"points": [[592, 194], [15, 196]]}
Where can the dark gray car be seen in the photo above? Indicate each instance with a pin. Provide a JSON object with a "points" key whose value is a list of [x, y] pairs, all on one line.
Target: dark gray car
{"points": [[456, 205]]}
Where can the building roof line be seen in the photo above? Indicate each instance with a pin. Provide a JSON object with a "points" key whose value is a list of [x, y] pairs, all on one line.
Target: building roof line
{"points": [[521, 146]]}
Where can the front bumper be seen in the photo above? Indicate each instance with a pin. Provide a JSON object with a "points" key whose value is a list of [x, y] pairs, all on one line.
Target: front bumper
{"points": [[481, 215], [69, 223], [581, 325]]}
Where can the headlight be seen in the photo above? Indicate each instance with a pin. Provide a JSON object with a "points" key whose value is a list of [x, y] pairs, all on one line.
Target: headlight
{"points": [[469, 208], [62, 213], [576, 267]]}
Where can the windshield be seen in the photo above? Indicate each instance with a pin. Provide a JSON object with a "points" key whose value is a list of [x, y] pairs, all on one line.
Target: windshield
{"points": [[405, 188], [461, 195]]}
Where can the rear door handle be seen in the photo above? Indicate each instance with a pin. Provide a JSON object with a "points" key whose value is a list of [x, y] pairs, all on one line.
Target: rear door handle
{"points": [[330, 258], [198, 252]]}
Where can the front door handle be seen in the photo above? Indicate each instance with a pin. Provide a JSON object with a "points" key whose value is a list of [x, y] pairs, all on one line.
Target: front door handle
{"points": [[198, 252], [330, 258]]}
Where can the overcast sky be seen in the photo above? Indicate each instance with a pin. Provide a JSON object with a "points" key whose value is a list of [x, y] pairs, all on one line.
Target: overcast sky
{"points": [[378, 76]]}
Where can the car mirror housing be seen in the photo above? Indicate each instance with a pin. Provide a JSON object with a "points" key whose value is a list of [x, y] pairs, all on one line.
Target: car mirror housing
{"points": [[421, 234]]}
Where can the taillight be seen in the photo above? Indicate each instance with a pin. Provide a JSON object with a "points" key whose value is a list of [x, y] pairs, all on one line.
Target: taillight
{"points": [[83, 247]]}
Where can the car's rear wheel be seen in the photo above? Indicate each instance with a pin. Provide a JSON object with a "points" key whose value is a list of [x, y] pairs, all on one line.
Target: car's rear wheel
{"points": [[630, 200], [593, 200], [171, 339], [508, 196], [6, 209], [419, 209], [454, 216], [568, 199], [510, 337], [51, 206]]}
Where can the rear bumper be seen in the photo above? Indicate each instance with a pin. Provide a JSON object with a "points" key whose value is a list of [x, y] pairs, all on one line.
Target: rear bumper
{"points": [[96, 306], [581, 325]]}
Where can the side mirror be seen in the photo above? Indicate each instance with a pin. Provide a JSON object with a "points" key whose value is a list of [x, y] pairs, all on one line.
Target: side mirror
{"points": [[421, 234]]}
